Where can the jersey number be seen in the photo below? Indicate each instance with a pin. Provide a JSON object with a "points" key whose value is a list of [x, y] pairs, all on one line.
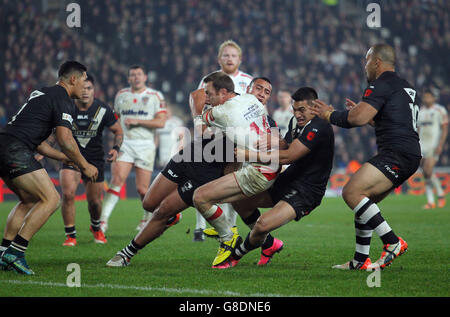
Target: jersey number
{"points": [[415, 114], [34, 94], [266, 127]]}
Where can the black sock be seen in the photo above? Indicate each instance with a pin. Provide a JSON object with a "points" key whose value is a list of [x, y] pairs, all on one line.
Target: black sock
{"points": [[244, 248], [6, 243], [131, 249], [268, 242], [70, 232], [19, 244], [95, 224]]}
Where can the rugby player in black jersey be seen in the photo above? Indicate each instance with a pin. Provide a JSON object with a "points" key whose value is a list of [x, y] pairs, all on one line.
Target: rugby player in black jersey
{"points": [[47, 109], [390, 104], [90, 118], [172, 190], [309, 149]]}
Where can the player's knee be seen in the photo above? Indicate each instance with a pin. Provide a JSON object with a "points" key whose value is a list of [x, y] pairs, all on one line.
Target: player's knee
{"points": [[199, 197], [148, 204], [68, 197], [142, 190], [53, 200], [261, 226]]}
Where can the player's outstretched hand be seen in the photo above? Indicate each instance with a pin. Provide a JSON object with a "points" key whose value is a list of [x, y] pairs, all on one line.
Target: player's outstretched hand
{"points": [[90, 172], [349, 104], [321, 109]]}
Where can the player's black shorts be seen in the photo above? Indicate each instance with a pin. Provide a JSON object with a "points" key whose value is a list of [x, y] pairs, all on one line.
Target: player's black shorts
{"points": [[16, 158], [190, 176], [100, 165], [397, 167], [300, 197]]}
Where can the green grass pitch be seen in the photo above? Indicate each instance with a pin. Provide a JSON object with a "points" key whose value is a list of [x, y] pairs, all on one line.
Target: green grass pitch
{"points": [[174, 266]]}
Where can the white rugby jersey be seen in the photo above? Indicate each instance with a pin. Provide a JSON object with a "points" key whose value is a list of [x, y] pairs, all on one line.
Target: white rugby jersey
{"points": [[242, 118], [241, 81], [430, 123], [282, 118], [142, 106], [168, 138]]}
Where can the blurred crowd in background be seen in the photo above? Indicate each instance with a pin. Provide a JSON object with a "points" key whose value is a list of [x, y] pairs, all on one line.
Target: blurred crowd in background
{"points": [[321, 44]]}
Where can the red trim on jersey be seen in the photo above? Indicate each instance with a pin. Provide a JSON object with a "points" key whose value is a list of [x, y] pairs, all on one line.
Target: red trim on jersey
{"points": [[245, 75], [161, 111]]}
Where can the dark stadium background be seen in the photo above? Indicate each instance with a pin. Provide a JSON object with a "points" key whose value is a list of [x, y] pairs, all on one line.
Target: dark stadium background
{"points": [[295, 43]]}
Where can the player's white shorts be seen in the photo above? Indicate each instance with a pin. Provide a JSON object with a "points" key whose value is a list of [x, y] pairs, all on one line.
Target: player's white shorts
{"points": [[255, 178], [139, 152], [429, 152]]}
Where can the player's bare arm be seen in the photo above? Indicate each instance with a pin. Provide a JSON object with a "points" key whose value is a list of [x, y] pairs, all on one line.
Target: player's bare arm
{"points": [[158, 122], [47, 150], [116, 129], [70, 148], [295, 151], [349, 104], [197, 101], [443, 138]]}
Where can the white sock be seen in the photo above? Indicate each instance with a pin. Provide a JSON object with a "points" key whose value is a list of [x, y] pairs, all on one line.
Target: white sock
{"points": [[110, 200], [201, 222], [437, 185], [147, 215], [429, 191], [217, 218], [230, 213]]}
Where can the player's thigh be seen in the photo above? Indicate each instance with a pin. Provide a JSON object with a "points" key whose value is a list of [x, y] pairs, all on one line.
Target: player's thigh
{"points": [[369, 182], [170, 206], [39, 185], [120, 171], [160, 188], [223, 189], [279, 215], [24, 196], [69, 180]]}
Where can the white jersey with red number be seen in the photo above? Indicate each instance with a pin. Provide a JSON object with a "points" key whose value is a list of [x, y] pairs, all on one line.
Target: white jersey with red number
{"points": [[242, 118], [430, 123], [142, 106], [241, 81]]}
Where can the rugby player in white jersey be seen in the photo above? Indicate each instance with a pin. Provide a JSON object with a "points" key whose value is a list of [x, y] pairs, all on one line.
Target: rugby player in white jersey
{"points": [[229, 58], [433, 128], [141, 110], [284, 113], [243, 119]]}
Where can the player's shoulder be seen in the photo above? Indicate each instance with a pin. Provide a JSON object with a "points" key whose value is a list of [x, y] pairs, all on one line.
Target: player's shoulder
{"points": [[321, 125], [440, 108], [245, 75], [123, 91], [101, 104], [153, 92]]}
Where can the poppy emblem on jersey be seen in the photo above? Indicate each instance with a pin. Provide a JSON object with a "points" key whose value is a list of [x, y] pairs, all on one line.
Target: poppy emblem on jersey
{"points": [[310, 136], [368, 92], [134, 100]]}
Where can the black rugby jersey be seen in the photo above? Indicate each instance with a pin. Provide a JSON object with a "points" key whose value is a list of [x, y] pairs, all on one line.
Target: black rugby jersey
{"points": [[88, 126], [313, 169], [45, 109], [396, 121]]}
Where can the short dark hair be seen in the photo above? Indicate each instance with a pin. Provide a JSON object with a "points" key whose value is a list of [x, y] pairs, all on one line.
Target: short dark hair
{"points": [[262, 78], [69, 67], [136, 66], [90, 78], [305, 93], [220, 80]]}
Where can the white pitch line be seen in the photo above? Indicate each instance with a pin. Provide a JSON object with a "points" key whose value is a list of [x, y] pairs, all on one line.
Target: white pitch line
{"points": [[204, 292]]}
